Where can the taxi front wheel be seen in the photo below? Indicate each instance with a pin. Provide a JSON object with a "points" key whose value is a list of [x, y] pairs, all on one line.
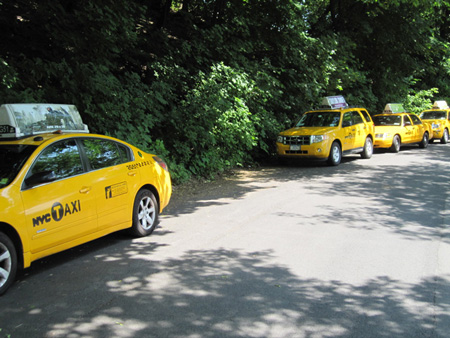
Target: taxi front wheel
{"points": [[335, 154], [444, 139], [145, 214], [395, 148], [8, 263]]}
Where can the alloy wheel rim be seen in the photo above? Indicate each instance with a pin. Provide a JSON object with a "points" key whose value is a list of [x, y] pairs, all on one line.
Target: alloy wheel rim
{"points": [[5, 264], [146, 213]]}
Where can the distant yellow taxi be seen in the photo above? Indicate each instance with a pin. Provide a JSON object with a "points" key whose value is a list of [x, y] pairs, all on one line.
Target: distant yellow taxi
{"points": [[395, 127], [329, 133], [438, 117], [61, 186]]}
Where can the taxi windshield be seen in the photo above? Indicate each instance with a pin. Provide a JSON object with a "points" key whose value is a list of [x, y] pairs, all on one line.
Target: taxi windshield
{"points": [[320, 119], [433, 115], [12, 159], [387, 120]]}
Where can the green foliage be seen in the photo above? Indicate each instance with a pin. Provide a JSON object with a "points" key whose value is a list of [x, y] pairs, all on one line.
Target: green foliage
{"points": [[416, 102], [208, 85]]}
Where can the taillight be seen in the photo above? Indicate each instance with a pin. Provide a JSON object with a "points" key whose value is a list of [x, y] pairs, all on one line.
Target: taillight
{"points": [[161, 163]]}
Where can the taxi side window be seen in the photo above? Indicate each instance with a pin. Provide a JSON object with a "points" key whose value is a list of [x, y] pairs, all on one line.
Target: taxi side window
{"points": [[356, 118], [351, 118], [347, 119], [366, 116], [406, 121], [61, 158], [415, 119], [105, 153]]}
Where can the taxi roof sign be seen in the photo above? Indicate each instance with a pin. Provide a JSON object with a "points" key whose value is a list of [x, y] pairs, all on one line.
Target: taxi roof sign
{"points": [[334, 102], [393, 108], [25, 119], [440, 105]]}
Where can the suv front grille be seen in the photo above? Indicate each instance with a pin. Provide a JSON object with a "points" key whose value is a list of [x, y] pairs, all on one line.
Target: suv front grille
{"points": [[297, 140]]}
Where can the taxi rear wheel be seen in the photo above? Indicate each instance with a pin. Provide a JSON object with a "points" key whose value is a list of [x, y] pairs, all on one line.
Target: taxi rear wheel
{"points": [[335, 154], [444, 139], [8, 263], [424, 142], [396, 144], [368, 148], [145, 214]]}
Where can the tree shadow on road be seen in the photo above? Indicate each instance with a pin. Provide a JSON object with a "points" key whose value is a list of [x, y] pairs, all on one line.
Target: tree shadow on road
{"points": [[222, 293]]}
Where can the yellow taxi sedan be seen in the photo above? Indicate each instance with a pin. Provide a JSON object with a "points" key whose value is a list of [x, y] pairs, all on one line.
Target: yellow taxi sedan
{"points": [[395, 127], [329, 133], [61, 186], [438, 117]]}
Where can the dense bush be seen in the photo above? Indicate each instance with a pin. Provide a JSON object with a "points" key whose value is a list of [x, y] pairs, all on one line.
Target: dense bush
{"points": [[208, 84]]}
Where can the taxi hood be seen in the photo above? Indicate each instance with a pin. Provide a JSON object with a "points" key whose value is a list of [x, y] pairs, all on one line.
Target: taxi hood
{"points": [[297, 131]]}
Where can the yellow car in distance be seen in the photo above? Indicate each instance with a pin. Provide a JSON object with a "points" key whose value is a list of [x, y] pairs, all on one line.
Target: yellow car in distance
{"points": [[395, 127], [329, 133], [61, 186], [438, 118]]}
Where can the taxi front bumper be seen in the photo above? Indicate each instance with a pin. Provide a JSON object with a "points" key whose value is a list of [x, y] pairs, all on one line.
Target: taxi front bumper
{"points": [[312, 151], [382, 143]]}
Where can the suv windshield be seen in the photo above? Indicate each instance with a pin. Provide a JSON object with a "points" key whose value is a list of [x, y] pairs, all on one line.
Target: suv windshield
{"points": [[320, 119], [433, 115], [12, 158], [383, 120]]}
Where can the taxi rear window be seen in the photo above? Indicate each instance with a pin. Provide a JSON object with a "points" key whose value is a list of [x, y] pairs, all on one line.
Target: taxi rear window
{"points": [[12, 159], [434, 115]]}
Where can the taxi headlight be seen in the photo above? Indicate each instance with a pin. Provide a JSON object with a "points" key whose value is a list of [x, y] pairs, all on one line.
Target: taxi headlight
{"points": [[280, 139], [317, 138], [435, 125]]}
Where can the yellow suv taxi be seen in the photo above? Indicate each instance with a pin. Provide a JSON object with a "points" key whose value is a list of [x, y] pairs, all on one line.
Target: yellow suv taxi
{"points": [[438, 117], [61, 186], [396, 127], [329, 133]]}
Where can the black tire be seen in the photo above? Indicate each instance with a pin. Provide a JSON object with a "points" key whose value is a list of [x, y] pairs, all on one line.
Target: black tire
{"points": [[424, 142], [8, 263], [444, 138], [396, 143], [368, 149], [335, 156], [145, 214]]}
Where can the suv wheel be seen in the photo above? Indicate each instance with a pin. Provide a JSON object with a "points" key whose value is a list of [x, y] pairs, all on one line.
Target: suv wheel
{"points": [[424, 142], [335, 154], [368, 148]]}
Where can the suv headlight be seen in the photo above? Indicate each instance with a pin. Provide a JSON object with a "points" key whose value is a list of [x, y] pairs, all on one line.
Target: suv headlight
{"points": [[317, 138], [280, 139], [435, 125]]}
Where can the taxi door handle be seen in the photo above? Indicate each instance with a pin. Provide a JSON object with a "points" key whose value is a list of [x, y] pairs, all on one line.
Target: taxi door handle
{"points": [[85, 190], [132, 173]]}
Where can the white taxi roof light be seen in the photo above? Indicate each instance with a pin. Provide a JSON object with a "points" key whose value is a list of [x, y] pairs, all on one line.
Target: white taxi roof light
{"points": [[393, 108], [440, 105], [334, 102], [25, 119]]}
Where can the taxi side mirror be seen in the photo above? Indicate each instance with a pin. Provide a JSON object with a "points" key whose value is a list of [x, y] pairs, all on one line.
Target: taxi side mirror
{"points": [[40, 178]]}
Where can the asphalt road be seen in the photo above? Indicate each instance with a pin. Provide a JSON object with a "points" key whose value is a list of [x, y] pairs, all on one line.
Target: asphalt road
{"points": [[358, 250]]}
